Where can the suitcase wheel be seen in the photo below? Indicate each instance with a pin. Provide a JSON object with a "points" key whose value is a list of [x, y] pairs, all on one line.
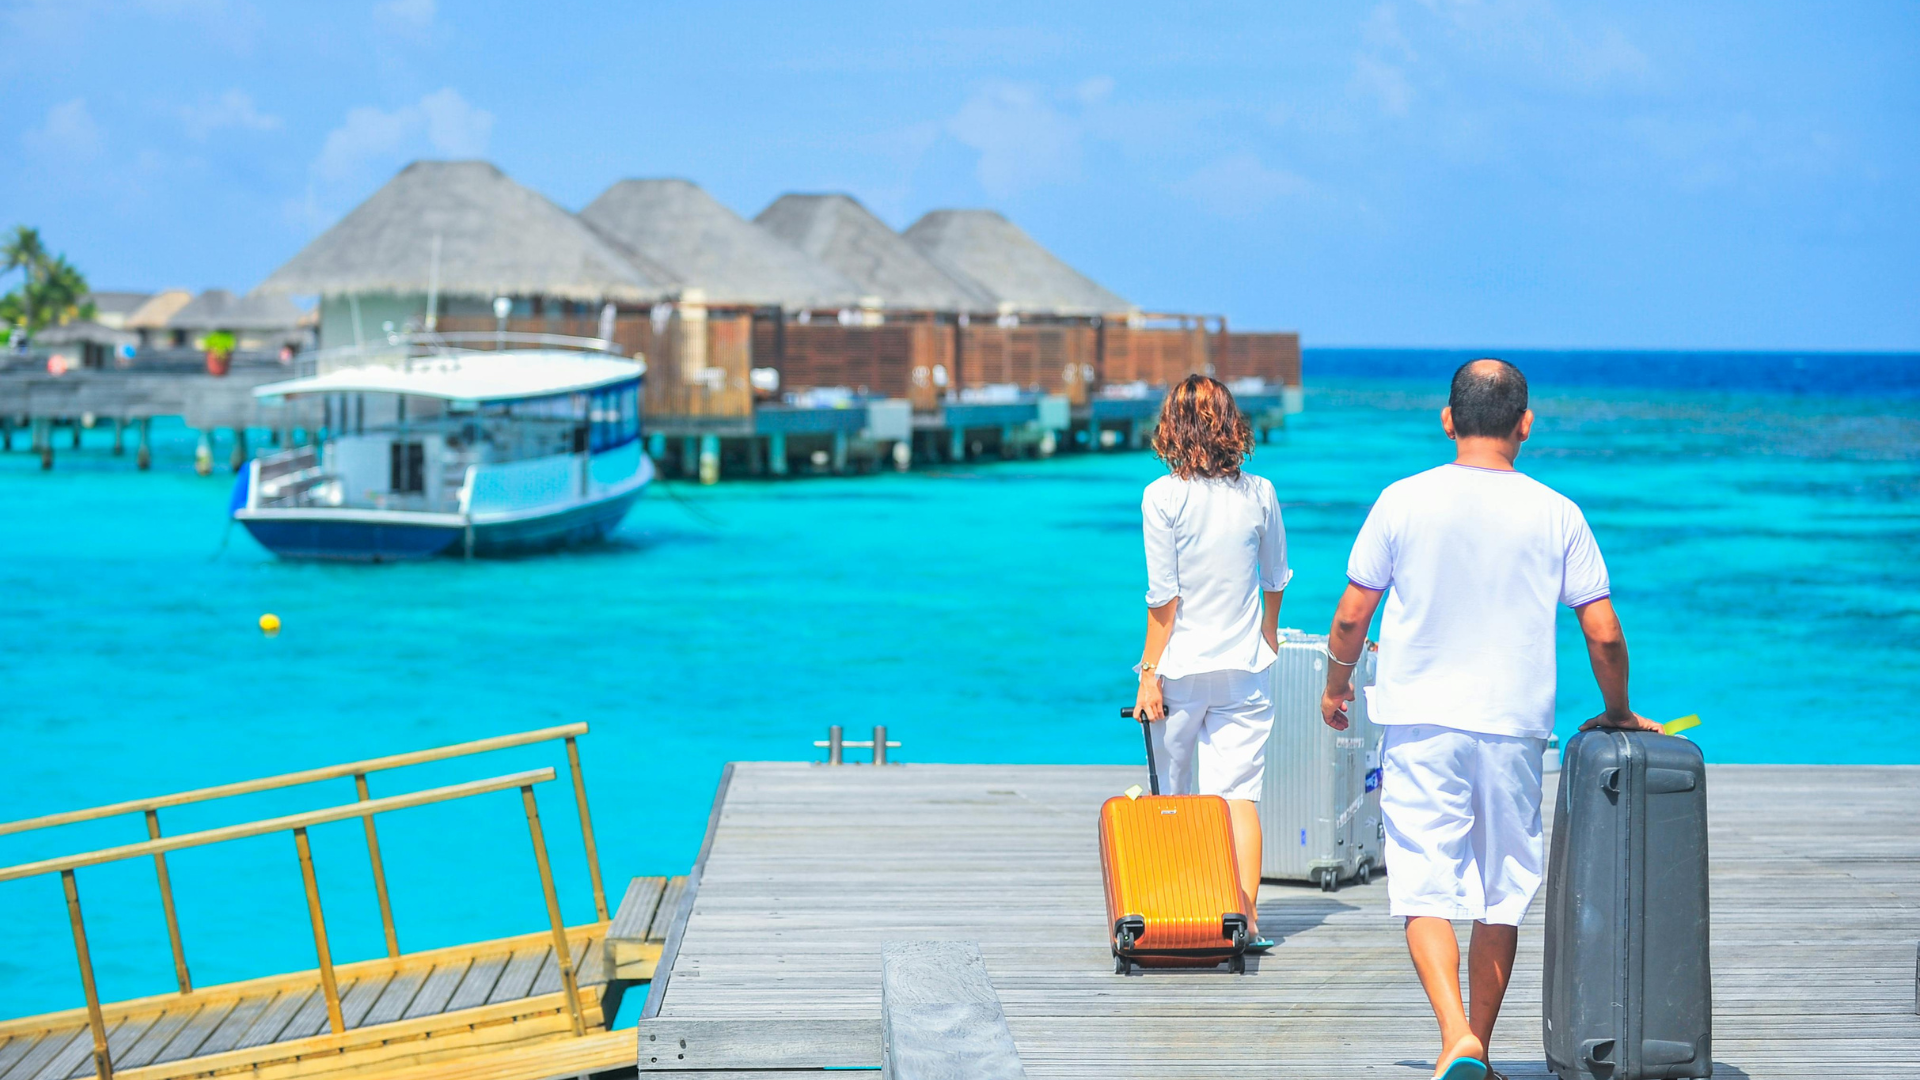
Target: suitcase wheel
{"points": [[1329, 880], [1365, 874], [1121, 965], [1237, 965]]}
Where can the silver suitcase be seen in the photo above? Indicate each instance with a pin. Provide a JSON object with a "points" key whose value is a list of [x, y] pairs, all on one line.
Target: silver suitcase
{"points": [[1320, 801]]}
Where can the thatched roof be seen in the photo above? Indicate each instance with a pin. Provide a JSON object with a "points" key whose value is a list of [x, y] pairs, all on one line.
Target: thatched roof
{"points": [[82, 331], [158, 308], [496, 239], [995, 252], [112, 305], [707, 246], [218, 309], [845, 235]]}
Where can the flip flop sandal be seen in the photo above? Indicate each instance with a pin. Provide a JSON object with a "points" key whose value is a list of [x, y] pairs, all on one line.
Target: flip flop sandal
{"points": [[1464, 1069], [1260, 945]]}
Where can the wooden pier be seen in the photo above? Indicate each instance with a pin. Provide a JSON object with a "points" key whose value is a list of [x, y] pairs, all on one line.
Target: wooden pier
{"points": [[774, 963], [36, 404]]}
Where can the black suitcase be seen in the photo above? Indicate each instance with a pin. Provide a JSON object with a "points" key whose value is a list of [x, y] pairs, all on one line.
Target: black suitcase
{"points": [[1628, 992]]}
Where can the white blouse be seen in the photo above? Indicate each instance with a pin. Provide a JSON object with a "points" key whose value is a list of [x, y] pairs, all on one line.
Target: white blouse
{"points": [[1216, 545]]}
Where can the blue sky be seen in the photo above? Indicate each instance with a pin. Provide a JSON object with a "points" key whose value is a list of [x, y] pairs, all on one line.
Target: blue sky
{"points": [[1414, 172]]}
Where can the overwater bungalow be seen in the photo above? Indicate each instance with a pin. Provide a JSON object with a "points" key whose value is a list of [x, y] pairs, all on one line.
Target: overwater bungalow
{"points": [[441, 242]]}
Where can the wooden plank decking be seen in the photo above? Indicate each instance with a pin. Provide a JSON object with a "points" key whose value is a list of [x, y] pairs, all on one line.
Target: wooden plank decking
{"points": [[810, 869], [422, 1007]]}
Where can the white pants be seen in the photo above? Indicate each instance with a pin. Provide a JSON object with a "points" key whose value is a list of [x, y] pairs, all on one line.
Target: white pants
{"points": [[1219, 721], [1462, 814]]}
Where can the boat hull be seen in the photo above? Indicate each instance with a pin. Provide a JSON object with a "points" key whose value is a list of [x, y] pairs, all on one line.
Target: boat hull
{"points": [[394, 536], [318, 535]]}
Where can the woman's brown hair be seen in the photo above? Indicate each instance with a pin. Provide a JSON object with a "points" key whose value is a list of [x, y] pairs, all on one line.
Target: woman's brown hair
{"points": [[1202, 433]]}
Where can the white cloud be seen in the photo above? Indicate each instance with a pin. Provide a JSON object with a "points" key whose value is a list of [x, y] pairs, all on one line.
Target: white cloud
{"points": [[68, 131], [417, 14], [1386, 83], [409, 20], [1380, 68], [372, 138], [1546, 42], [1095, 90], [1022, 139], [372, 143], [233, 109], [455, 128], [1525, 42], [369, 135], [1240, 185]]}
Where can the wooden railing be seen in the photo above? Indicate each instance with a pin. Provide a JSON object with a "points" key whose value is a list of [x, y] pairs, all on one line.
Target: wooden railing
{"points": [[365, 808]]}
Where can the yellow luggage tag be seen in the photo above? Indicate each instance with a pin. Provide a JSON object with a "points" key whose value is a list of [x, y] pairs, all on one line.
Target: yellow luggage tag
{"points": [[1132, 792], [1675, 727]]}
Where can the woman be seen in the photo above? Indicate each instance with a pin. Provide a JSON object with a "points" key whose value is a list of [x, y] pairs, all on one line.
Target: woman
{"points": [[1216, 567]]}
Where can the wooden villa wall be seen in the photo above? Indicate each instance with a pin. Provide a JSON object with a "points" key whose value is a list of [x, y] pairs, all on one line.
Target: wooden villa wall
{"points": [[1050, 359], [729, 340], [896, 359], [1157, 357], [1273, 357]]}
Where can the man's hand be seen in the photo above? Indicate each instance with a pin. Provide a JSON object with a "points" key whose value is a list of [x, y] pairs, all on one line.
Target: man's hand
{"points": [[1333, 706], [1147, 705], [1628, 721]]}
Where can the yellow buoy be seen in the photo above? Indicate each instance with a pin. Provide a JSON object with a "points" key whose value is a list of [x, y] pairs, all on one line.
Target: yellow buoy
{"points": [[270, 624]]}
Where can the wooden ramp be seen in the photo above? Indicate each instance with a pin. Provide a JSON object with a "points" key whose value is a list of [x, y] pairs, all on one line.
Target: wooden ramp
{"points": [[809, 869], [421, 1007], [529, 1007], [490, 1011]]}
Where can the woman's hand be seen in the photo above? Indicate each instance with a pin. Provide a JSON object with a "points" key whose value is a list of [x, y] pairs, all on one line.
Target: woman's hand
{"points": [[1147, 704]]}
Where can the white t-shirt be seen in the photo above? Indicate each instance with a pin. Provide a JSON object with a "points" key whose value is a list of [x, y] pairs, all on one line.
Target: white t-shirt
{"points": [[1477, 561], [1215, 544]]}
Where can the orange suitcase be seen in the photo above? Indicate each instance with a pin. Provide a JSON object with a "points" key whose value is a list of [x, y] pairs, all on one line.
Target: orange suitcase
{"points": [[1173, 884]]}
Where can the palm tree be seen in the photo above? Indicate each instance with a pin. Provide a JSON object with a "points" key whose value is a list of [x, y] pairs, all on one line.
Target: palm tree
{"points": [[24, 251], [53, 287]]}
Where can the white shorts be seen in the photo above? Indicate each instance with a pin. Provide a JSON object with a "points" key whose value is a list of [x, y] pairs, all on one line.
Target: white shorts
{"points": [[1462, 814], [1219, 722]]}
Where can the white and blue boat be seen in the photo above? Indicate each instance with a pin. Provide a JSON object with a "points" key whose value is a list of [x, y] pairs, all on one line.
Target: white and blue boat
{"points": [[426, 447]]}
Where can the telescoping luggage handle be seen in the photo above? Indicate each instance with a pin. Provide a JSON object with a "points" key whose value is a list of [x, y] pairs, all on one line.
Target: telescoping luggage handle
{"points": [[1146, 732]]}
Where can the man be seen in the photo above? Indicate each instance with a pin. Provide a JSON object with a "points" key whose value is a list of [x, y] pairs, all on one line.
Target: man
{"points": [[1474, 559]]}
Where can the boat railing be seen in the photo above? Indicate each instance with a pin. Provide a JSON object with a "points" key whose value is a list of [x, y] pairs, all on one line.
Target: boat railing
{"points": [[285, 478], [297, 825], [359, 770], [401, 350]]}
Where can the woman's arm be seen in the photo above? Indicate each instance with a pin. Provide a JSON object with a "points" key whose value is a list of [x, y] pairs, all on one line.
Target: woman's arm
{"points": [[1270, 616], [1274, 574], [1146, 702]]}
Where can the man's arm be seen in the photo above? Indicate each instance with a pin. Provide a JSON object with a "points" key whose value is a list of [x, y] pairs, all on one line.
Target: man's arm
{"points": [[1346, 641], [1607, 651], [1147, 705]]}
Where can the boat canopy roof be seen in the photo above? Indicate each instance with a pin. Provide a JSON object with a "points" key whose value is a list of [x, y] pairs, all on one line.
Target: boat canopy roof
{"points": [[470, 376]]}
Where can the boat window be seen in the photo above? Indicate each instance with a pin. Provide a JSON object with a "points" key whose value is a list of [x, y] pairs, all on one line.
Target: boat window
{"points": [[408, 474], [615, 416]]}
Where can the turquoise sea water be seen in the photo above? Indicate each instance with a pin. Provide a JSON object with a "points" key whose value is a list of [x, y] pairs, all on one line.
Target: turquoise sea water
{"points": [[1761, 544]]}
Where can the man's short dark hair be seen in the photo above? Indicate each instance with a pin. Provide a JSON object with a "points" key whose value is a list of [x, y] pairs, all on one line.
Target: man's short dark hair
{"points": [[1489, 397]]}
